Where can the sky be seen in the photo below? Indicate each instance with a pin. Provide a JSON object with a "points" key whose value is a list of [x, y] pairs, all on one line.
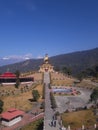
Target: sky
{"points": [[36, 27]]}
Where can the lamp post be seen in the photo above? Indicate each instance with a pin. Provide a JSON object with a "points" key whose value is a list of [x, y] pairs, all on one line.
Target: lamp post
{"points": [[68, 127], [95, 126], [82, 127]]}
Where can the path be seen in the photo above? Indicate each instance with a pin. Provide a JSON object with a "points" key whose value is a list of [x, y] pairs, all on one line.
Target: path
{"points": [[49, 122]]}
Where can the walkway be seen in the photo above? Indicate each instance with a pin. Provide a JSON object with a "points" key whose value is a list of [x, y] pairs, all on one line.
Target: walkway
{"points": [[50, 123]]}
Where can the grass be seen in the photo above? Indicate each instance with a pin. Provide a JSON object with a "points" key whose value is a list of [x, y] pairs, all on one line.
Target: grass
{"points": [[36, 125], [60, 79], [86, 84], [62, 82], [7, 88], [39, 88], [37, 76], [76, 119], [19, 101]]}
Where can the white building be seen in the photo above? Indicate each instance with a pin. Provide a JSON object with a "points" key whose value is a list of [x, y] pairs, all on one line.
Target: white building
{"points": [[11, 117]]}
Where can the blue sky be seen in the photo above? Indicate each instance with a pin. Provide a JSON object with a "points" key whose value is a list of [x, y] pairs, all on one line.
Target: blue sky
{"points": [[37, 27]]}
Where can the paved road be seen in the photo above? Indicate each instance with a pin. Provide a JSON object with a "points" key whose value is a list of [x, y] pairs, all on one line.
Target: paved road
{"points": [[50, 123]]}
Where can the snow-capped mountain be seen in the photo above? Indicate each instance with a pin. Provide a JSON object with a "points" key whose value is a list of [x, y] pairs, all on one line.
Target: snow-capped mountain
{"points": [[14, 59]]}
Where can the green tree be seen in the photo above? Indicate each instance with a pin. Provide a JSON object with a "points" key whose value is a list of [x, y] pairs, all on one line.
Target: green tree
{"points": [[1, 106], [17, 83], [35, 95], [96, 71], [43, 94], [66, 70], [57, 68], [81, 75], [53, 102], [17, 73], [92, 72], [94, 95], [17, 78], [69, 71]]}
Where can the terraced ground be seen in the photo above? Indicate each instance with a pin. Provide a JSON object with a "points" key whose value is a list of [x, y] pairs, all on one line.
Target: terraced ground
{"points": [[77, 119], [20, 99]]}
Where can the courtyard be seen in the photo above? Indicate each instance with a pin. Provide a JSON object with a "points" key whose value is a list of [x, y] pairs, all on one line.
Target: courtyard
{"points": [[71, 102]]}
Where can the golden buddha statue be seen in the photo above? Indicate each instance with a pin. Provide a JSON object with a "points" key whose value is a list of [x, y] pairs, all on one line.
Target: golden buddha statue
{"points": [[46, 59]]}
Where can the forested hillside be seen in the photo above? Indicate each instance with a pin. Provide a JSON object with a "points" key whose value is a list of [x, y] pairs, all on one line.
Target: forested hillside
{"points": [[76, 61]]}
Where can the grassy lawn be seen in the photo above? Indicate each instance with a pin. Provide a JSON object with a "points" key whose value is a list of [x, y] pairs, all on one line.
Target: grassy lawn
{"points": [[60, 79], [76, 119], [21, 100], [36, 125], [86, 84], [37, 76], [58, 82], [18, 101], [39, 88]]}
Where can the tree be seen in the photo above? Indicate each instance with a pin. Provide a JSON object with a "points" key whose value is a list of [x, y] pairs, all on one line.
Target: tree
{"points": [[17, 79], [1, 106], [91, 71], [69, 71], [57, 68], [36, 95], [17, 83], [43, 94], [66, 70], [53, 102], [94, 95], [96, 71], [17, 73], [81, 75]]}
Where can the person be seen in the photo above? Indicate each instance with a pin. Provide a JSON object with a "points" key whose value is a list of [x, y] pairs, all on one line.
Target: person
{"points": [[51, 123], [54, 123], [53, 117]]}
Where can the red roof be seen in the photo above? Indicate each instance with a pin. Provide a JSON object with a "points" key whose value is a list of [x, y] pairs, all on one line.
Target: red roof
{"points": [[12, 113], [8, 75]]}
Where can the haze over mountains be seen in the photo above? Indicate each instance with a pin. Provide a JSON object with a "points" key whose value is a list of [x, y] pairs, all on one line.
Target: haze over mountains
{"points": [[14, 59], [76, 61]]}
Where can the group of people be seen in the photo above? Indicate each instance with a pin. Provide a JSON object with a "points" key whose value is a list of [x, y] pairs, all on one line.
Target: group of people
{"points": [[53, 122]]}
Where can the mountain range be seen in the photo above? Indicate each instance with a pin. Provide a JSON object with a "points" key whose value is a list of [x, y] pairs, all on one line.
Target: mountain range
{"points": [[14, 59], [76, 61]]}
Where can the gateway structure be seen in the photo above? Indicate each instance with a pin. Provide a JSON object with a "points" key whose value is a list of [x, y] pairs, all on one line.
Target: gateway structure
{"points": [[46, 66]]}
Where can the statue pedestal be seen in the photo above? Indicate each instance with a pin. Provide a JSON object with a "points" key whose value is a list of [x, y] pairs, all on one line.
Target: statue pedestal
{"points": [[46, 68]]}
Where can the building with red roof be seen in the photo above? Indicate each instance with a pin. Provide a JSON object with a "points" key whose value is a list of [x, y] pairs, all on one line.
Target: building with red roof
{"points": [[10, 78], [11, 117], [8, 75]]}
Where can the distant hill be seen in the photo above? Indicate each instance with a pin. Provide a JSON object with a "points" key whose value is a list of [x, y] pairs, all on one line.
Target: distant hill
{"points": [[77, 61]]}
